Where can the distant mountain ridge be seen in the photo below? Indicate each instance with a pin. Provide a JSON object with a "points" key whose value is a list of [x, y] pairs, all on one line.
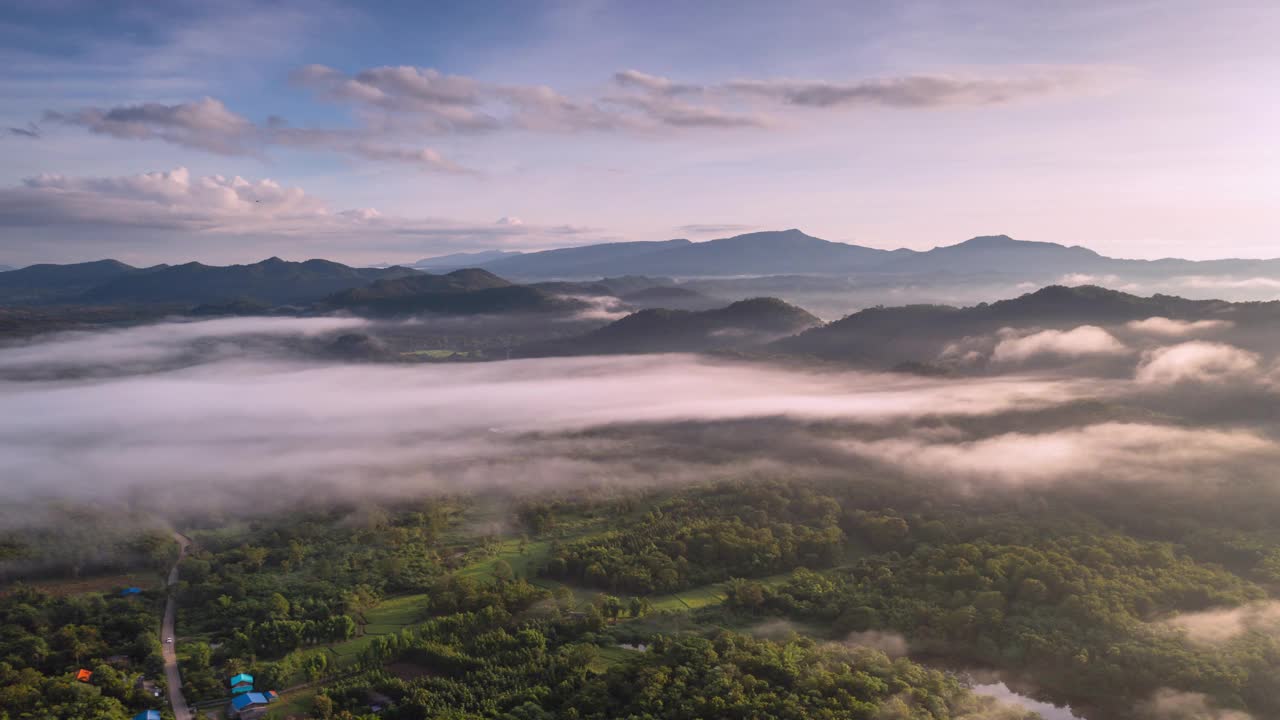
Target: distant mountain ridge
{"points": [[272, 282], [462, 292], [784, 252]]}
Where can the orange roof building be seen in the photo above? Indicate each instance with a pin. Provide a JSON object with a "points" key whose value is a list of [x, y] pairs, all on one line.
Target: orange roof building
{"points": [[84, 675]]}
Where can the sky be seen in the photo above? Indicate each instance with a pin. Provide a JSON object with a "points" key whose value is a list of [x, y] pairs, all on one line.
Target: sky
{"points": [[388, 132]]}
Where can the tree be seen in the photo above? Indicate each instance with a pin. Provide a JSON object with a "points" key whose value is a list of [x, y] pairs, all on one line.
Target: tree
{"points": [[322, 706], [638, 606]]}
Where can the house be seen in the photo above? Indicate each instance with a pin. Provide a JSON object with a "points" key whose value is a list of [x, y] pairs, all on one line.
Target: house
{"points": [[241, 683], [147, 715], [84, 675], [129, 591], [250, 706]]}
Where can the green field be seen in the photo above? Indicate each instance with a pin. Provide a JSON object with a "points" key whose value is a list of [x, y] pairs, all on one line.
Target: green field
{"points": [[296, 704], [610, 655], [395, 612], [525, 564]]}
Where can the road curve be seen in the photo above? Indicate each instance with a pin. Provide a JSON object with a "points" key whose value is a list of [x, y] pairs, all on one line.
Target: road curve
{"points": [[179, 703]]}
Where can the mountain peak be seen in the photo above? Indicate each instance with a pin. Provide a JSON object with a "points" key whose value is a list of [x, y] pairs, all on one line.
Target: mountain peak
{"points": [[990, 241]]}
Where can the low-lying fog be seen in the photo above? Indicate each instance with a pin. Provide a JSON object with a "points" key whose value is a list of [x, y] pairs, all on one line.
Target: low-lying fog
{"points": [[227, 415]]}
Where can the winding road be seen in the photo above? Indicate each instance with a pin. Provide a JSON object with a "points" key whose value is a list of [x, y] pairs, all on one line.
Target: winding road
{"points": [[179, 703]]}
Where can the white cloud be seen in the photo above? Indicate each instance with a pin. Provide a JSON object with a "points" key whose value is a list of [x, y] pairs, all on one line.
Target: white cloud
{"points": [[1083, 341], [253, 209], [234, 418], [1074, 279], [1170, 704], [206, 124], [1214, 627], [1114, 451], [1219, 282], [397, 105], [1166, 327], [1197, 361]]}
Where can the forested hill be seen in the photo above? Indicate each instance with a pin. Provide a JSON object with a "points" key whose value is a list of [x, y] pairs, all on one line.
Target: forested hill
{"points": [[272, 282], [461, 292], [881, 334], [741, 324]]}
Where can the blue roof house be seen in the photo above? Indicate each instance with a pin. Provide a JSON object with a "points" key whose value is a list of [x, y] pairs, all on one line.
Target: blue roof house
{"points": [[243, 705], [131, 591], [147, 715], [241, 683]]}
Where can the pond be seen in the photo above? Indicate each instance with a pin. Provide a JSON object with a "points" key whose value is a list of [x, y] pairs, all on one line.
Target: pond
{"points": [[1002, 692]]}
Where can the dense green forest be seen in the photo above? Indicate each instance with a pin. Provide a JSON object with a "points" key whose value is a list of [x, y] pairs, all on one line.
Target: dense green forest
{"points": [[761, 598]]}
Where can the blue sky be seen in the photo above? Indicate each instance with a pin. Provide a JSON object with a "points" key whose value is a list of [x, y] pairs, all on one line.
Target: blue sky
{"points": [[370, 132]]}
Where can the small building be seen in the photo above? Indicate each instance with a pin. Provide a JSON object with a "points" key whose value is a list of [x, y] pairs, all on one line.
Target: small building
{"points": [[84, 675], [250, 706], [131, 591], [147, 715], [241, 683]]}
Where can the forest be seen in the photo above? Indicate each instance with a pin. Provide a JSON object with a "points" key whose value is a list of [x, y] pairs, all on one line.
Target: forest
{"points": [[775, 597]]}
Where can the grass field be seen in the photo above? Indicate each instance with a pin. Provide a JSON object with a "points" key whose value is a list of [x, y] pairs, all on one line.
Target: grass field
{"points": [[296, 704], [396, 612], [610, 655], [525, 564]]}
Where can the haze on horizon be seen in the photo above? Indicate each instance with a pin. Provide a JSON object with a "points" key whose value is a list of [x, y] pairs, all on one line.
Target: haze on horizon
{"points": [[233, 131]]}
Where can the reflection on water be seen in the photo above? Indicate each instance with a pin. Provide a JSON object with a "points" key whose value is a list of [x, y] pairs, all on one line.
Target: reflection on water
{"points": [[1002, 692]]}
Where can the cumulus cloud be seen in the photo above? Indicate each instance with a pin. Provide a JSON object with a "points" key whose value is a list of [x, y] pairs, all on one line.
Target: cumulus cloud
{"points": [[167, 198], [1165, 327], [234, 206], [1083, 341], [1197, 361], [206, 124]]}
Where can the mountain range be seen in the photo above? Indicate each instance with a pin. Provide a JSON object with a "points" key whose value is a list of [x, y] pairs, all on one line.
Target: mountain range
{"points": [[461, 292], [790, 257], [794, 252], [109, 282]]}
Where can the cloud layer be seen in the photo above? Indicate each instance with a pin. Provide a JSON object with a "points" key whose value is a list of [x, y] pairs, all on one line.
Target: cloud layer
{"points": [[176, 200], [156, 413], [395, 106]]}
